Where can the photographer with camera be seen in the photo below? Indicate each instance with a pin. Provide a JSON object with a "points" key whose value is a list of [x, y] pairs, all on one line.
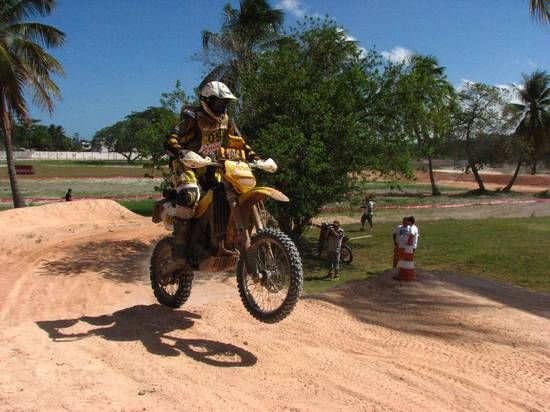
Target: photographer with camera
{"points": [[335, 238]]}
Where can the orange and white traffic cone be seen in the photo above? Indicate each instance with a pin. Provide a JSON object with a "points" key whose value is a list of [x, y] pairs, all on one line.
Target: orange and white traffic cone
{"points": [[405, 266]]}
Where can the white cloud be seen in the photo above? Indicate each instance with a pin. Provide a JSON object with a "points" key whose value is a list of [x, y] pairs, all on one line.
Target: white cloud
{"points": [[293, 6], [398, 54], [511, 92]]}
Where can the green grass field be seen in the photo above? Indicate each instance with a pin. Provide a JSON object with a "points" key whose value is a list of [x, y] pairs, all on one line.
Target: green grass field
{"points": [[509, 250], [56, 188], [141, 207]]}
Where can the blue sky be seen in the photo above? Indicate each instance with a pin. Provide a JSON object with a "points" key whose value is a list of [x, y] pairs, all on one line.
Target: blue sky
{"points": [[120, 55]]}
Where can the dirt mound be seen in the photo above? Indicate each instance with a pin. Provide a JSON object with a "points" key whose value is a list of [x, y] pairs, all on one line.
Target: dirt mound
{"points": [[81, 211], [28, 229], [80, 330]]}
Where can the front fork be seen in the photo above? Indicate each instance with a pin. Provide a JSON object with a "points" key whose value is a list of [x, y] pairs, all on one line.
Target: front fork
{"points": [[243, 235]]}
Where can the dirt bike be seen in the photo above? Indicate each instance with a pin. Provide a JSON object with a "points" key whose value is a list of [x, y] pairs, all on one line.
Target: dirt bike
{"points": [[229, 231], [346, 254]]}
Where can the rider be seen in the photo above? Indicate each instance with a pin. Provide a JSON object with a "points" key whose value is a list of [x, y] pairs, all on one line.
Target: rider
{"points": [[210, 132]]}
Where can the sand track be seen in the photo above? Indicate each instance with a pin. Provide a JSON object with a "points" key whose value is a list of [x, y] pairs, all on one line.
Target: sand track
{"points": [[81, 331]]}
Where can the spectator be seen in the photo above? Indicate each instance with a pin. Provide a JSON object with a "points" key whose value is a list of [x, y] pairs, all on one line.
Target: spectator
{"points": [[400, 237], [414, 232], [335, 236], [368, 211], [69, 195], [323, 236]]}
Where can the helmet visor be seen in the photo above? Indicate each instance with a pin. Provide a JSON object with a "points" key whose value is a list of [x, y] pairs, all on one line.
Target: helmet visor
{"points": [[218, 106]]}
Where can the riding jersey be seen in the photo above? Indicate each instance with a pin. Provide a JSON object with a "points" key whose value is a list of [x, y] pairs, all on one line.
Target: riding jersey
{"points": [[203, 134]]}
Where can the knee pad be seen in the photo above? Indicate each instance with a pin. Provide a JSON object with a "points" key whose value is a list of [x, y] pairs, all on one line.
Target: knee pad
{"points": [[188, 196]]}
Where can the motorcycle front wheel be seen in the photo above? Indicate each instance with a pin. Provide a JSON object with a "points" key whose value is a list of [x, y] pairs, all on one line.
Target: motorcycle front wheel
{"points": [[271, 293], [171, 285]]}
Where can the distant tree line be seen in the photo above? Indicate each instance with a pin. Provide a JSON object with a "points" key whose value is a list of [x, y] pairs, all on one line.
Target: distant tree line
{"points": [[46, 138]]}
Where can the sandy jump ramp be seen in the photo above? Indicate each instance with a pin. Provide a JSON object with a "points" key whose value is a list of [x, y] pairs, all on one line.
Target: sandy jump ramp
{"points": [[81, 331]]}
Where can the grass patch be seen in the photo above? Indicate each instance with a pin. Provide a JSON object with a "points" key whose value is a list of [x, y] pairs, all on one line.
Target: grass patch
{"points": [[141, 207], [56, 188], [415, 194], [507, 250]]}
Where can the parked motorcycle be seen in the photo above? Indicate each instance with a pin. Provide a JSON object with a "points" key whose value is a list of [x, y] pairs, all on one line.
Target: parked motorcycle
{"points": [[346, 254], [229, 231]]}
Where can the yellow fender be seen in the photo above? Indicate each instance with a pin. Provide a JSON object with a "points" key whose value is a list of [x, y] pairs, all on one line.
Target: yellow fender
{"points": [[260, 193]]}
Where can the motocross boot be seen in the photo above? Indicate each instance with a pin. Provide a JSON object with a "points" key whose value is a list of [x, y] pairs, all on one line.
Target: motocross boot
{"points": [[179, 249]]}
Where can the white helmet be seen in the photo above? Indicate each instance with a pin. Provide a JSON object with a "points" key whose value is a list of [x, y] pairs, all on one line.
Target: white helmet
{"points": [[215, 97], [216, 89]]}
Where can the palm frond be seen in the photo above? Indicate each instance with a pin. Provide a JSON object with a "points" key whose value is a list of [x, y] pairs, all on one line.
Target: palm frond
{"points": [[12, 83], [42, 34], [15, 96], [36, 61], [540, 10], [209, 38], [44, 92], [19, 10]]}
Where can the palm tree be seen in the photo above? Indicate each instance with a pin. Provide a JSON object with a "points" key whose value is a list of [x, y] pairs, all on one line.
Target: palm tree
{"points": [[534, 126], [428, 112], [244, 32], [25, 65], [540, 10]]}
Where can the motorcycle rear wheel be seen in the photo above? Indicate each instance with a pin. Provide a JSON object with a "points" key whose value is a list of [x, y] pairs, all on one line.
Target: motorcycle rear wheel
{"points": [[272, 296], [170, 289], [346, 255]]}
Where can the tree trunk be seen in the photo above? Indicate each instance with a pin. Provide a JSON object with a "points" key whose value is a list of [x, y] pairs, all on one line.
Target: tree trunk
{"points": [[478, 179], [18, 200], [508, 187], [470, 161], [435, 189]]}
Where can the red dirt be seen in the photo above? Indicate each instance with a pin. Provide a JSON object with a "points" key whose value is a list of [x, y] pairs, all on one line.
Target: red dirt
{"points": [[493, 180], [80, 330]]}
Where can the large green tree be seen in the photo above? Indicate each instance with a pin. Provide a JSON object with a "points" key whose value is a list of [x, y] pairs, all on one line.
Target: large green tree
{"points": [[306, 106], [25, 65], [138, 135], [151, 127], [479, 113], [246, 31]]}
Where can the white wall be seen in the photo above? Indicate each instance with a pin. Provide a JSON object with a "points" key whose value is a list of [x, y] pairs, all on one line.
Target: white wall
{"points": [[36, 155]]}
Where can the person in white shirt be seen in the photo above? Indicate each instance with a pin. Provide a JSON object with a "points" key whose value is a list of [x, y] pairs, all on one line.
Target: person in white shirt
{"points": [[368, 211], [414, 232], [400, 237]]}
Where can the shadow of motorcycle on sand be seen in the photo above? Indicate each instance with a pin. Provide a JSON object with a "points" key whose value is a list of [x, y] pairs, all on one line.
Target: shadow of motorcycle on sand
{"points": [[150, 324]]}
